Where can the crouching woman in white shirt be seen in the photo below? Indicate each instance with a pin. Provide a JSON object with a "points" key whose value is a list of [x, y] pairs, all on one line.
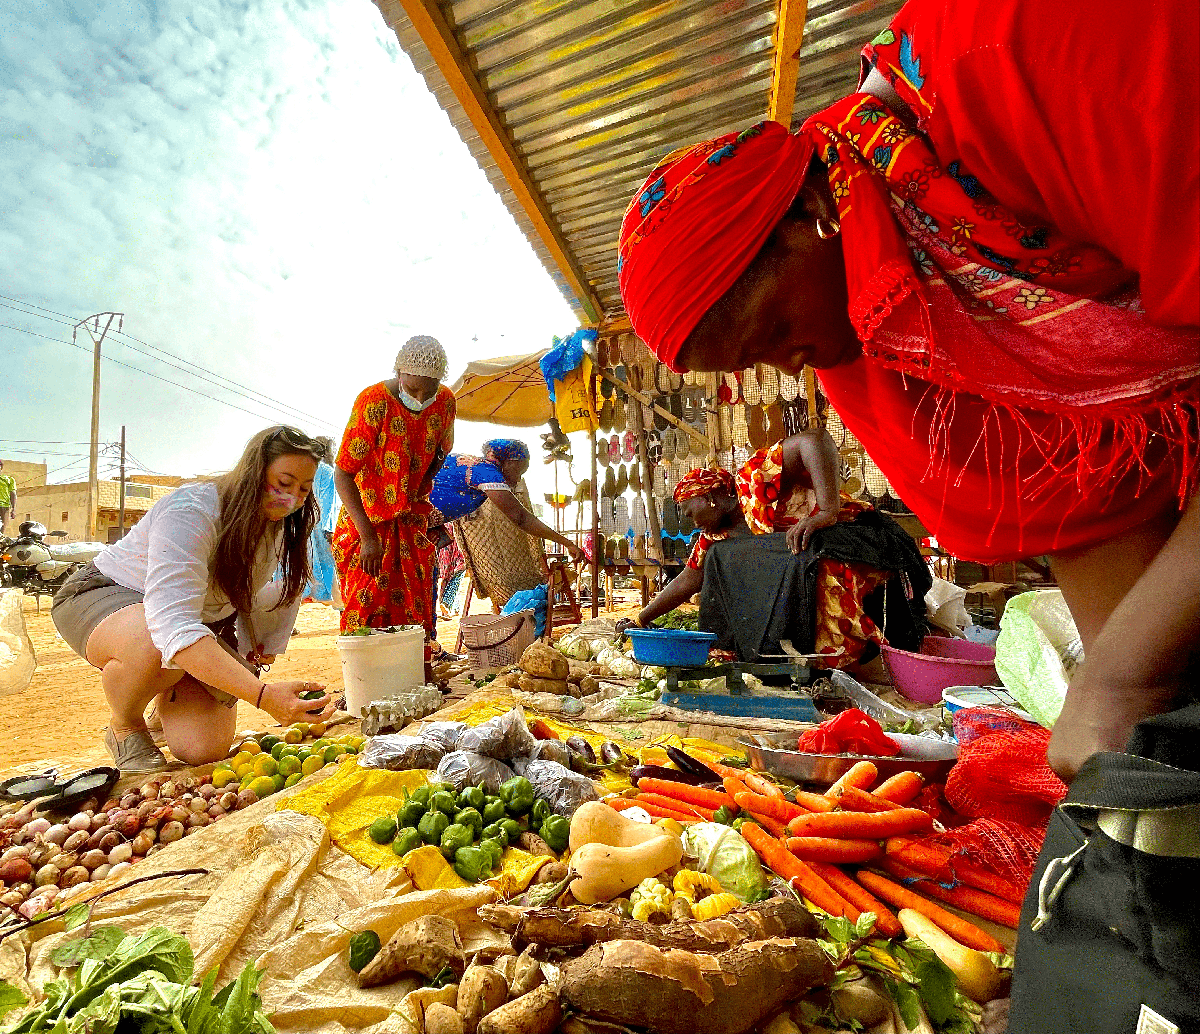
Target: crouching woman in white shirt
{"points": [[183, 612]]}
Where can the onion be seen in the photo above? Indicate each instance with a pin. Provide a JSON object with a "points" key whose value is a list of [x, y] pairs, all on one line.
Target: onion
{"points": [[76, 840], [228, 800], [143, 842], [149, 792], [120, 853], [35, 906], [171, 832], [98, 835], [130, 800], [111, 803], [216, 812], [24, 889], [246, 798], [168, 789], [208, 791], [118, 869], [188, 782], [110, 840], [20, 851], [179, 813], [56, 834], [46, 875], [41, 853], [100, 872], [65, 860], [16, 870], [93, 859], [129, 826], [197, 819], [11, 898], [198, 804], [99, 820], [38, 825], [74, 876], [80, 820]]}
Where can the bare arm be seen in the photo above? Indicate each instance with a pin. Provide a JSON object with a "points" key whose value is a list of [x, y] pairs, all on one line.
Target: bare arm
{"points": [[679, 590], [812, 453], [527, 522], [370, 549]]}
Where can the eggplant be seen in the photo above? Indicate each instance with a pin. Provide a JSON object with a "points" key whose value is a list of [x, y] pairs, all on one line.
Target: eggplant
{"points": [[689, 764], [612, 754], [658, 772], [581, 747]]}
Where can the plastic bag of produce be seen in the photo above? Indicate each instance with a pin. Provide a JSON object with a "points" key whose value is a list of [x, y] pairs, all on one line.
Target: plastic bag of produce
{"points": [[1038, 652], [506, 736], [551, 750], [443, 734], [399, 753], [461, 768], [563, 789], [724, 854]]}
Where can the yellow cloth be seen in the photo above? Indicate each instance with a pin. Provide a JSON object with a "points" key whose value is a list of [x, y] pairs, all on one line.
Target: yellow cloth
{"points": [[573, 399]]}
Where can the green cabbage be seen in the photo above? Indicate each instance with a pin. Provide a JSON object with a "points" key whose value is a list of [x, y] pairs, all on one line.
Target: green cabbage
{"points": [[725, 855]]}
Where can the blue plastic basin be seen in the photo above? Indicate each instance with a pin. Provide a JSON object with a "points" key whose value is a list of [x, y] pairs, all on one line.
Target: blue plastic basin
{"points": [[671, 647]]}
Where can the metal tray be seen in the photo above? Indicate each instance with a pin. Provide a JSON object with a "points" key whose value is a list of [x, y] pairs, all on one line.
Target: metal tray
{"points": [[931, 757]]}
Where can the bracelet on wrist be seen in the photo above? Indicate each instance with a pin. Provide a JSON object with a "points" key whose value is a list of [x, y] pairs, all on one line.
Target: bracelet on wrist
{"points": [[261, 687]]}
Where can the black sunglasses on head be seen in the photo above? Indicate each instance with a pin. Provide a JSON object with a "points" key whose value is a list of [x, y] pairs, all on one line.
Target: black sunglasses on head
{"points": [[299, 440]]}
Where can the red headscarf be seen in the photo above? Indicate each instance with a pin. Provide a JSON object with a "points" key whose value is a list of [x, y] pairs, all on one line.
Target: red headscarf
{"points": [[702, 481], [698, 220]]}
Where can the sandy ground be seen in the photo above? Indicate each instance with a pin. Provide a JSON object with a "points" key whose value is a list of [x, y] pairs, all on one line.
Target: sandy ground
{"points": [[63, 712]]}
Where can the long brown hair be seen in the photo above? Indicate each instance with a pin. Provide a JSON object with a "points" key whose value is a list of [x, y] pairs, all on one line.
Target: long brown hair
{"points": [[242, 524]]}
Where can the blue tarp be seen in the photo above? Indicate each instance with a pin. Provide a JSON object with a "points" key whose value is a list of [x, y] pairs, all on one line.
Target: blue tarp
{"points": [[565, 356], [529, 599]]}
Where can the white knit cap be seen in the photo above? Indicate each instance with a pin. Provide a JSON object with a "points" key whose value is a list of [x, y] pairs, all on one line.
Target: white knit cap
{"points": [[422, 356]]}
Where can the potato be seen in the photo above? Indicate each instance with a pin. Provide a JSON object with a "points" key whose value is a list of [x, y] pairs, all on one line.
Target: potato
{"points": [[544, 662], [526, 974], [482, 990], [537, 1012]]}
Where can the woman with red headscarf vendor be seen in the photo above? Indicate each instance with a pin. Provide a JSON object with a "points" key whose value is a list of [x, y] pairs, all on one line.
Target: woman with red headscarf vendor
{"points": [[993, 262]]}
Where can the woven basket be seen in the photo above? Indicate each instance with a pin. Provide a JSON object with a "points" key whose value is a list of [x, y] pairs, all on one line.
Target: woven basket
{"points": [[497, 641]]}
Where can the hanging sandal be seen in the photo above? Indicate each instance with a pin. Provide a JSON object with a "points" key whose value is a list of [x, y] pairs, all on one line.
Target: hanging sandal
{"points": [[622, 479]]}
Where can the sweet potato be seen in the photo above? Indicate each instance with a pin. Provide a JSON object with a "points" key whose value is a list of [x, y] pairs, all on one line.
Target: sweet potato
{"points": [[537, 1012], [679, 992], [426, 945], [544, 662], [482, 990]]}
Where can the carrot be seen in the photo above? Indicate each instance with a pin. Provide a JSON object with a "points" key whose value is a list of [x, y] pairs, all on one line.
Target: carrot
{"points": [[733, 786], [900, 788], [860, 824], [886, 921], [660, 812], [813, 801], [829, 849], [696, 811], [977, 902], [621, 803], [754, 782], [798, 874], [771, 825], [775, 807], [961, 930], [851, 798], [684, 792], [940, 863], [863, 775]]}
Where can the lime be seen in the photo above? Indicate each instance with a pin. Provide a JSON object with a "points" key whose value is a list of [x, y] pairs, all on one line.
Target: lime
{"points": [[277, 750], [247, 779], [279, 781], [292, 780], [317, 730], [333, 752], [264, 765], [293, 735], [268, 743], [262, 786], [223, 777], [252, 747], [242, 757], [288, 766], [304, 753], [311, 764]]}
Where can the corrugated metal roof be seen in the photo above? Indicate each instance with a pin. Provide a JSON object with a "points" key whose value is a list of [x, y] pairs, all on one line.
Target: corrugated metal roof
{"points": [[593, 92]]}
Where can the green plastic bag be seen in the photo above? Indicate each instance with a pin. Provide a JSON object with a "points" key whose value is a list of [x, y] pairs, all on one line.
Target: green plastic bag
{"points": [[1037, 652]]}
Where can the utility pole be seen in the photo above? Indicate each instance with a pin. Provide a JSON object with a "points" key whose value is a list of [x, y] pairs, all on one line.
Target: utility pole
{"points": [[121, 519], [97, 335]]}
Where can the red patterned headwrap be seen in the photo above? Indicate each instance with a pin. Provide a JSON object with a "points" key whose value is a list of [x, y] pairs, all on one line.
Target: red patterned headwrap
{"points": [[702, 481], [697, 222]]}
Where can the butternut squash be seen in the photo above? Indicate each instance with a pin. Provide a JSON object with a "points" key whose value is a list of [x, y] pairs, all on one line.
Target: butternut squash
{"points": [[606, 871], [596, 823]]}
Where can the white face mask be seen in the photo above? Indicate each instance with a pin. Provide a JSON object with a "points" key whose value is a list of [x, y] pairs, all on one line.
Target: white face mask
{"points": [[416, 405], [281, 499]]}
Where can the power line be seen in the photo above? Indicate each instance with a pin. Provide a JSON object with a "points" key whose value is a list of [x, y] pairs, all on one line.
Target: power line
{"points": [[251, 394]]}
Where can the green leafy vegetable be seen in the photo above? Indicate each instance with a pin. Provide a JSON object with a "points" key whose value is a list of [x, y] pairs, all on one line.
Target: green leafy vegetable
{"points": [[10, 998], [363, 948], [99, 944]]}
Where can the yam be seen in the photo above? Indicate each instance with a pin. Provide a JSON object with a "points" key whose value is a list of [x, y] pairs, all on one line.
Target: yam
{"points": [[679, 992], [580, 670], [415, 1005], [544, 662], [426, 946], [442, 1019], [537, 1012], [526, 974], [533, 844], [574, 927], [535, 684], [482, 990], [588, 686]]}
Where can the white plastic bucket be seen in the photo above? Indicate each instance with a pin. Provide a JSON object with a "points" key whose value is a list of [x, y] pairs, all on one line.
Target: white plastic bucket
{"points": [[381, 664]]}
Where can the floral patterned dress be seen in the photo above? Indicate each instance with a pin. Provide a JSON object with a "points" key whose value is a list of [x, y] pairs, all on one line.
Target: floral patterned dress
{"points": [[390, 451], [841, 622]]}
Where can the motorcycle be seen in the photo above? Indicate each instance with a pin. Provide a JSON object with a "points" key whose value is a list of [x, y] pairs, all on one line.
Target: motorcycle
{"points": [[38, 567]]}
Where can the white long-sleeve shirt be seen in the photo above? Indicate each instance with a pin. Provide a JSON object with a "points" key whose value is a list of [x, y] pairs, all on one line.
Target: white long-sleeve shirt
{"points": [[167, 556]]}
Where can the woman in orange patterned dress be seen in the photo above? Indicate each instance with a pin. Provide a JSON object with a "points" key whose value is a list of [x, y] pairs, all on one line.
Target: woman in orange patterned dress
{"points": [[400, 433]]}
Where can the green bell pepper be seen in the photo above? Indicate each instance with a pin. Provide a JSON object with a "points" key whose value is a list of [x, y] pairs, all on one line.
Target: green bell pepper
{"points": [[495, 848], [406, 840], [470, 817], [445, 801], [517, 795], [420, 795], [443, 788], [472, 797], [556, 831], [363, 948], [456, 836], [738, 823], [493, 811], [383, 829], [540, 811], [512, 828], [472, 863], [432, 825], [723, 815], [410, 813], [495, 831]]}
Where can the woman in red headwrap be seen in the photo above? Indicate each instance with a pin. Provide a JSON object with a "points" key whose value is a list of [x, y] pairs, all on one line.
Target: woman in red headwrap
{"points": [[995, 266]]}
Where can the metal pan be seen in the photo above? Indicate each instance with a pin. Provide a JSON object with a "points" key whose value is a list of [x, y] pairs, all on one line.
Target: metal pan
{"points": [[932, 758]]}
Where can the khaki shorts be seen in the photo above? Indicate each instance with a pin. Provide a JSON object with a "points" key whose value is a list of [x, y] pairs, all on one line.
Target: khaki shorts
{"points": [[88, 597]]}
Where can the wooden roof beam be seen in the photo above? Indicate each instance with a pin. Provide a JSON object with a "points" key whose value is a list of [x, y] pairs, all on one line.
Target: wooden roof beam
{"points": [[790, 16], [437, 35]]}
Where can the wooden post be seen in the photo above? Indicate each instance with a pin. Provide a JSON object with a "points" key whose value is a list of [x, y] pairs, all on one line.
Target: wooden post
{"points": [[597, 549]]}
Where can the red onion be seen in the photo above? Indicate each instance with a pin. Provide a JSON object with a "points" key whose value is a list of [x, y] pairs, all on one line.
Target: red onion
{"points": [[57, 834], [19, 851], [99, 820], [197, 819], [129, 826], [38, 825], [179, 813], [171, 832], [208, 791], [76, 840], [216, 812], [143, 842], [130, 800], [228, 800], [93, 859], [46, 875], [16, 870], [168, 789], [197, 804], [74, 876], [12, 898], [149, 792], [246, 798]]}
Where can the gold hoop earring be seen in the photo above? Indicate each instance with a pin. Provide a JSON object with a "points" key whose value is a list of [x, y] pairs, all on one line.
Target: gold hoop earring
{"points": [[828, 228]]}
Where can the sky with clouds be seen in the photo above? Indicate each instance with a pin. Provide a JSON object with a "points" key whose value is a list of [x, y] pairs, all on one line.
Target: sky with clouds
{"points": [[264, 188]]}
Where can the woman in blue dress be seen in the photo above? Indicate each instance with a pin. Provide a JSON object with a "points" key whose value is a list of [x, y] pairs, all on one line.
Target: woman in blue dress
{"points": [[324, 573]]}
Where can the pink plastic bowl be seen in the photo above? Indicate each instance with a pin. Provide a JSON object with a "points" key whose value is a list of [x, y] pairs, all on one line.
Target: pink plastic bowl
{"points": [[942, 663]]}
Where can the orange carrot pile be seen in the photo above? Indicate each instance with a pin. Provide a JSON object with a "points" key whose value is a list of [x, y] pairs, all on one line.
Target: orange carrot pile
{"points": [[772, 807], [800, 875], [659, 812], [861, 825], [851, 798], [941, 864], [692, 811], [832, 849], [755, 783], [861, 775], [900, 788], [899, 897], [977, 902], [712, 799], [885, 919], [813, 801]]}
